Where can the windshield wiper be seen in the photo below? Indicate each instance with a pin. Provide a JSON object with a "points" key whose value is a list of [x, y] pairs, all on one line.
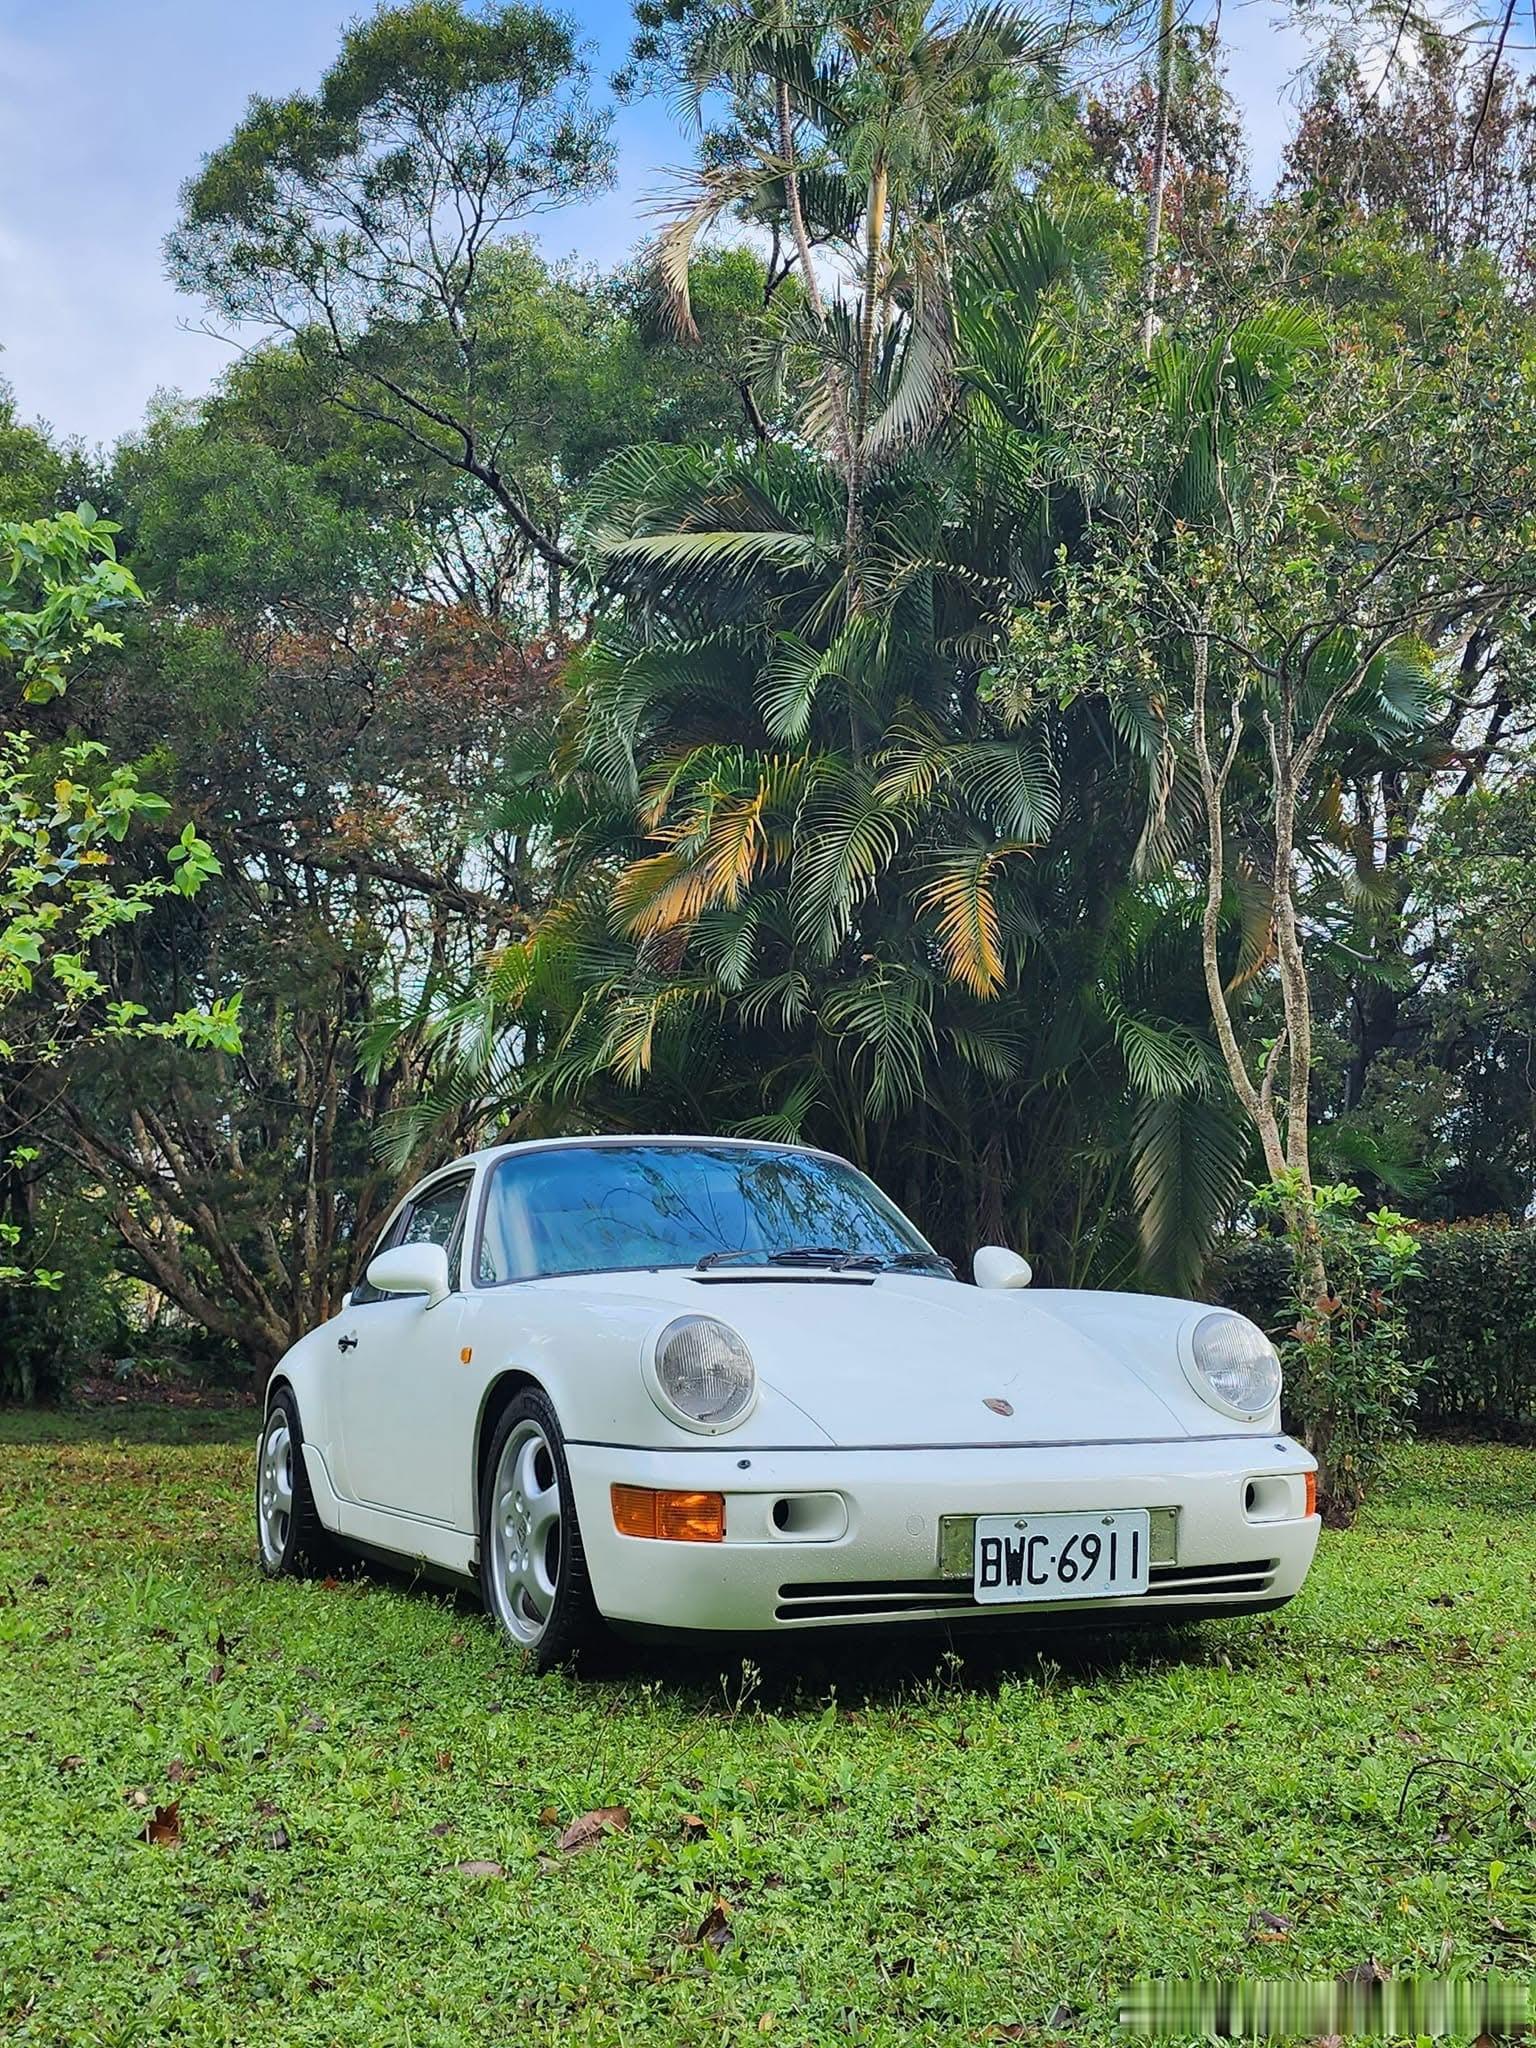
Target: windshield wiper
{"points": [[920, 1262], [836, 1256]]}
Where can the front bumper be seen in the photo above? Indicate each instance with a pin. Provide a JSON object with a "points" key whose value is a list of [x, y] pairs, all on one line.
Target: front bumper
{"points": [[818, 1539]]}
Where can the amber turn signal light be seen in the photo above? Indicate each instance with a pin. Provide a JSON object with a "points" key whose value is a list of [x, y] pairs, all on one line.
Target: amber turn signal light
{"points": [[669, 1517], [1311, 1493]]}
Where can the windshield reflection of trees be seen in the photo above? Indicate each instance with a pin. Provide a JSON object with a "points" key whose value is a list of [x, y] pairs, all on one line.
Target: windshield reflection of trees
{"points": [[611, 1207]]}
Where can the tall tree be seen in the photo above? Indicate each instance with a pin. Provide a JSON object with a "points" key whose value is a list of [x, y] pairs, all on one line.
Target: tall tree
{"points": [[1442, 152], [918, 123], [1312, 535], [357, 219]]}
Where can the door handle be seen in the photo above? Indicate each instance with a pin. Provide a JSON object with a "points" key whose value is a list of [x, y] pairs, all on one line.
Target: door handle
{"points": [[346, 1343]]}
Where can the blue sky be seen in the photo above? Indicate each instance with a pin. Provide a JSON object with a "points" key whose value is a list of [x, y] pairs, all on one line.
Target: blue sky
{"points": [[108, 107]]}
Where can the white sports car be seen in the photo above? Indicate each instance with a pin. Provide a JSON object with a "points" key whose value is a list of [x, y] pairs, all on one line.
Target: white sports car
{"points": [[703, 1384]]}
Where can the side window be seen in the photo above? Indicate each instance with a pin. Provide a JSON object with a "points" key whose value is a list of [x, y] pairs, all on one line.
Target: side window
{"points": [[362, 1293], [436, 1218]]}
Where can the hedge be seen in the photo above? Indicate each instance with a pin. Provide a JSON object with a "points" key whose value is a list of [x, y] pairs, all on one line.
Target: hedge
{"points": [[1471, 1310]]}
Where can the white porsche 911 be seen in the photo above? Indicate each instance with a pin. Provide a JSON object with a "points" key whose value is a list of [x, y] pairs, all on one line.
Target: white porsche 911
{"points": [[706, 1384]]}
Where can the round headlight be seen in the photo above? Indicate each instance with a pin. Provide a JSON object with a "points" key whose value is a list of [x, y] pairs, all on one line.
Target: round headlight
{"points": [[1236, 1369], [704, 1377]]}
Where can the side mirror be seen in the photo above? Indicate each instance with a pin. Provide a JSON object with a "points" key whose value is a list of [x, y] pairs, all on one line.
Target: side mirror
{"points": [[995, 1266], [412, 1269]]}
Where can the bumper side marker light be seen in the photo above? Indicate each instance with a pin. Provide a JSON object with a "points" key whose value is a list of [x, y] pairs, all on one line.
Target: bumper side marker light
{"points": [[1311, 1493], [668, 1516]]}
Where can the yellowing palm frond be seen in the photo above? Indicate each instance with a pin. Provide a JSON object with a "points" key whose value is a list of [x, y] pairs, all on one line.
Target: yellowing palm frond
{"points": [[713, 858], [961, 896]]}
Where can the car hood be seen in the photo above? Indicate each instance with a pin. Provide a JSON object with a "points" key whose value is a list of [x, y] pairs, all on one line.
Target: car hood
{"points": [[912, 1360]]}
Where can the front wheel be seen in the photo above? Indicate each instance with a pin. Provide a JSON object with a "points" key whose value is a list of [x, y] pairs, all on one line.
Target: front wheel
{"points": [[533, 1570], [290, 1536]]}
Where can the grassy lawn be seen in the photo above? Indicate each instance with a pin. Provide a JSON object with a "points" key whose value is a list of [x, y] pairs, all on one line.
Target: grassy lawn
{"points": [[908, 1846]]}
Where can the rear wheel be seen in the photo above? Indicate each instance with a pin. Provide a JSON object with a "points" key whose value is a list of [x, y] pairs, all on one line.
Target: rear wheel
{"points": [[533, 1570], [290, 1536]]}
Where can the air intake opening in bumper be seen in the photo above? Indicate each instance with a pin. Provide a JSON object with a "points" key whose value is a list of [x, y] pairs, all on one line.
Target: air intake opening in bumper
{"points": [[891, 1599]]}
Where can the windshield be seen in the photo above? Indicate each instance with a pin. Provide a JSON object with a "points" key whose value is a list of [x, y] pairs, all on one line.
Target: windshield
{"points": [[617, 1208]]}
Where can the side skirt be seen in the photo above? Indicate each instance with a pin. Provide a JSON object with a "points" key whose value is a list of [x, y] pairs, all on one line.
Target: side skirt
{"points": [[401, 1537]]}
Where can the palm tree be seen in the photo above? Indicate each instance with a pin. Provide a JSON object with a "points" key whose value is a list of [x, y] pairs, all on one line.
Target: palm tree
{"points": [[806, 880], [915, 121]]}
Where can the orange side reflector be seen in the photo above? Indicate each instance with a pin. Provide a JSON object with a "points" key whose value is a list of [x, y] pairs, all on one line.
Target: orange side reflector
{"points": [[1311, 1493], [466, 1354], [669, 1516]]}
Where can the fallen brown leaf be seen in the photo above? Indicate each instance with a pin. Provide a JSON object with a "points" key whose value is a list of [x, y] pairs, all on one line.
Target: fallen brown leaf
{"points": [[714, 1930], [70, 1763], [479, 1866], [163, 1828], [695, 1827], [591, 1828], [177, 1771]]}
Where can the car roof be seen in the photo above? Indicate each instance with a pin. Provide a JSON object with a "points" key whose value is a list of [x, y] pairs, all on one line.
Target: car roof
{"points": [[490, 1152]]}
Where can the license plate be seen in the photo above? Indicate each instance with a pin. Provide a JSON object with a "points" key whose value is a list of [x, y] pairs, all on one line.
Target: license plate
{"points": [[1061, 1557]]}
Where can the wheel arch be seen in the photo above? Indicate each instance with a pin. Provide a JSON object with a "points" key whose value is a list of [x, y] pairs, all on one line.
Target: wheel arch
{"points": [[498, 1397]]}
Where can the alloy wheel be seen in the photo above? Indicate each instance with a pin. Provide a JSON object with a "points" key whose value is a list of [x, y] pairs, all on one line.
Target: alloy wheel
{"points": [[525, 1534], [274, 1489]]}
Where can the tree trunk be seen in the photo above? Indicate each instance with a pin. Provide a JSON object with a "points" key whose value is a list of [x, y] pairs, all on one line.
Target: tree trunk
{"points": [[1154, 233], [793, 205]]}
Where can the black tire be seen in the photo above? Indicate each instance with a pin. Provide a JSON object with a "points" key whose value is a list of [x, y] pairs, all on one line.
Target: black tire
{"points": [[572, 1623], [297, 1544]]}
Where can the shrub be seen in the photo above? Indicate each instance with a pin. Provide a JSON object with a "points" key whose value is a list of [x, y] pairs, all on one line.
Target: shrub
{"points": [[1350, 1382], [1468, 1310], [65, 1316]]}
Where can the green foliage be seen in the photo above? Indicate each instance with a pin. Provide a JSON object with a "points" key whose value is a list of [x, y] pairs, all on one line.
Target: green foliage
{"points": [[66, 814], [873, 564], [1351, 1380], [65, 1312], [62, 814], [1467, 1309], [32, 471], [60, 584]]}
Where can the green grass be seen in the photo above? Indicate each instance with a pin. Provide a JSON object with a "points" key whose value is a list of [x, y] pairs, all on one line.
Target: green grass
{"points": [[912, 1847]]}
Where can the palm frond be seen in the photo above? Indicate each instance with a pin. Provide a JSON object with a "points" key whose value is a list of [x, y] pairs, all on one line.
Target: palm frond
{"points": [[1188, 1154], [961, 897]]}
